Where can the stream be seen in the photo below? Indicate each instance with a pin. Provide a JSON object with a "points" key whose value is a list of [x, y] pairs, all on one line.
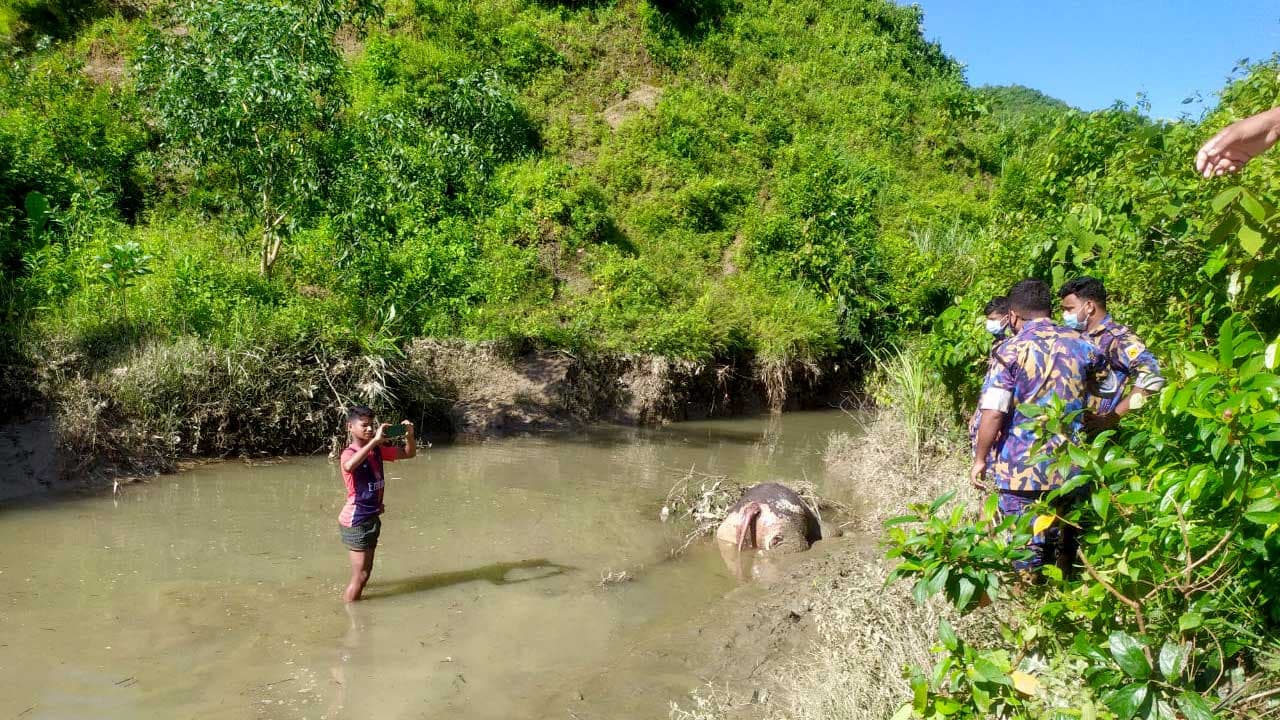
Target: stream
{"points": [[215, 593]]}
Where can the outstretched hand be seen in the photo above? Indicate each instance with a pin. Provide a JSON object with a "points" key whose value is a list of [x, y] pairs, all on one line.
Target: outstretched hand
{"points": [[1238, 143]]}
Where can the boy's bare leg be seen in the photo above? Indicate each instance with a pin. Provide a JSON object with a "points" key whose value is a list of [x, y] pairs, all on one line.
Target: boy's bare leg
{"points": [[361, 568]]}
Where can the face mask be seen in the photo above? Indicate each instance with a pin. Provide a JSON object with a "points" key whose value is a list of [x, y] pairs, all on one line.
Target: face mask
{"points": [[1071, 320], [996, 327]]}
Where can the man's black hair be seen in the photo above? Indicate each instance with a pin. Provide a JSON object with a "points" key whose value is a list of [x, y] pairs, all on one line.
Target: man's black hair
{"points": [[359, 412], [1085, 288], [997, 306], [1030, 298]]}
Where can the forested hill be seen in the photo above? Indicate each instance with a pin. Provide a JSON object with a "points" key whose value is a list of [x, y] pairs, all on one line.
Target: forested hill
{"points": [[785, 181], [694, 179]]}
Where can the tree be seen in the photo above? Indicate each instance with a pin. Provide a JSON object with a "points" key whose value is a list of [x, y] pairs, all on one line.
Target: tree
{"points": [[248, 87]]}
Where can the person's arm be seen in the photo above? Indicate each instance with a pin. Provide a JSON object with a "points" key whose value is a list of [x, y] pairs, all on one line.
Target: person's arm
{"points": [[353, 462], [1135, 359], [1147, 380], [1238, 143], [995, 404], [988, 428], [410, 442]]}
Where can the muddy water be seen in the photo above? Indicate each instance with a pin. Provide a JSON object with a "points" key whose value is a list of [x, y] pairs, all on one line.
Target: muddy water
{"points": [[215, 593]]}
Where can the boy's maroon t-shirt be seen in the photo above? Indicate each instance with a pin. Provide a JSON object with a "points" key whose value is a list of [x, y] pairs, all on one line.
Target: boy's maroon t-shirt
{"points": [[364, 485]]}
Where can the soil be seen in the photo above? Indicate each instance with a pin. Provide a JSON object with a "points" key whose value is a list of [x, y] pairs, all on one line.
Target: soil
{"points": [[736, 644], [644, 97], [769, 620], [28, 458], [488, 389]]}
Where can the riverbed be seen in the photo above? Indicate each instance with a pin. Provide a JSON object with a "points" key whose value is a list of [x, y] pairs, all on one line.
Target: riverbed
{"points": [[523, 577]]}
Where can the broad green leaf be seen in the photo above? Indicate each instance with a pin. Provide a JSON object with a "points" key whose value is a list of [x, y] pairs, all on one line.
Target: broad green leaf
{"points": [[981, 698], [939, 579], [920, 591], [1251, 240], [948, 636], [1263, 518], [1201, 360], [1227, 342], [1126, 701], [989, 671], [1136, 497], [1224, 198], [1266, 504], [1172, 656], [965, 594], [1127, 652], [1257, 209], [1101, 502], [941, 500], [946, 707], [1194, 707], [1190, 621]]}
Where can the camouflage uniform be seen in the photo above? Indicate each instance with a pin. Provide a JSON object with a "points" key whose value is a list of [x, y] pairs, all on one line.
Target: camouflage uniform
{"points": [[976, 419], [1041, 362], [1128, 358]]}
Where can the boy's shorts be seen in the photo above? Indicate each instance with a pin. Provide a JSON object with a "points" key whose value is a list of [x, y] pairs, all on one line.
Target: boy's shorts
{"points": [[363, 536]]}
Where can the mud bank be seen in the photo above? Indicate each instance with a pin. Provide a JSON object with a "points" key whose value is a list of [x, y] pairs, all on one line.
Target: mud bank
{"points": [[822, 635], [492, 389], [140, 412]]}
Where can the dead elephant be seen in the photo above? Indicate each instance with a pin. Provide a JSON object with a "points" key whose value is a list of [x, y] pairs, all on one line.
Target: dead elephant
{"points": [[770, 517]]}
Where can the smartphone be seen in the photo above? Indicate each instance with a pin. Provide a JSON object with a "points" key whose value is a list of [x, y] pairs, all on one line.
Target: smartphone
{"points": [[395, 431]]}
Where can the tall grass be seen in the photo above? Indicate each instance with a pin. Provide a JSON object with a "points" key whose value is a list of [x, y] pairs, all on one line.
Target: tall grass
{"points": [[905, 384]]}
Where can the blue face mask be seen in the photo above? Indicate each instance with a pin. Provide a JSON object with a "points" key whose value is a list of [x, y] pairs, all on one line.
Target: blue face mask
{"points": [[996, 327], [1072, 320]]}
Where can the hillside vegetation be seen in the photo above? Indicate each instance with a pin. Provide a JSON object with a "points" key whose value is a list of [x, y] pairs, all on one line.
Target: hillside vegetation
{"points": [[220, 219], [690, 179]]}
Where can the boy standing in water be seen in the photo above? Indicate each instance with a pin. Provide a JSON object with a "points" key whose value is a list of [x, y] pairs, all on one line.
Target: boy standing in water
{"points": [[362, 471]]}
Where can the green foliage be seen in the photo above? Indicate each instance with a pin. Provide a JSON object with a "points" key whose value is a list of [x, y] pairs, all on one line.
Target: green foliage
{"points": [[246, 87], [120, 268], [449, 160], [1180, 530], [785, 181], [956, 554]]}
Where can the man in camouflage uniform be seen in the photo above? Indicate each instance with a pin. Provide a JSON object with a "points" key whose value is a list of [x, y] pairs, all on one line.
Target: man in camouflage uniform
{"points": [[1084, 308], [1042, 361], [996, 323]]}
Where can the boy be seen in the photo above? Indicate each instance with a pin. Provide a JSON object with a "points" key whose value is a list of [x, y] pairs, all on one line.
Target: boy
{"points": [[362, 471]]}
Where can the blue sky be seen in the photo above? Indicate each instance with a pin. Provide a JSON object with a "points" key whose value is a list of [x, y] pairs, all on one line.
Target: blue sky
{"points": [[1091, 53]]}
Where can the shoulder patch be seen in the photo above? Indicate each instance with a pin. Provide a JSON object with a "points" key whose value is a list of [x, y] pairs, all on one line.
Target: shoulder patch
{"points": [[1133, 350]]}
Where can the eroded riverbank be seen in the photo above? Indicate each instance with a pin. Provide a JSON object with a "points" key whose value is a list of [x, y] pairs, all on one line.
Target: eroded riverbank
{"points": [[214, 592]]}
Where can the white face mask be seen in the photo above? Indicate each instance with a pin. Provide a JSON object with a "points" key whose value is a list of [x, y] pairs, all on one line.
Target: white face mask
{"points": [[995, 327]]}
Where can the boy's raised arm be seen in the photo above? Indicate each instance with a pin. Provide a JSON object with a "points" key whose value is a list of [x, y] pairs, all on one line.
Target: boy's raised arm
{"points": [[353, 462], [410, 442]]}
